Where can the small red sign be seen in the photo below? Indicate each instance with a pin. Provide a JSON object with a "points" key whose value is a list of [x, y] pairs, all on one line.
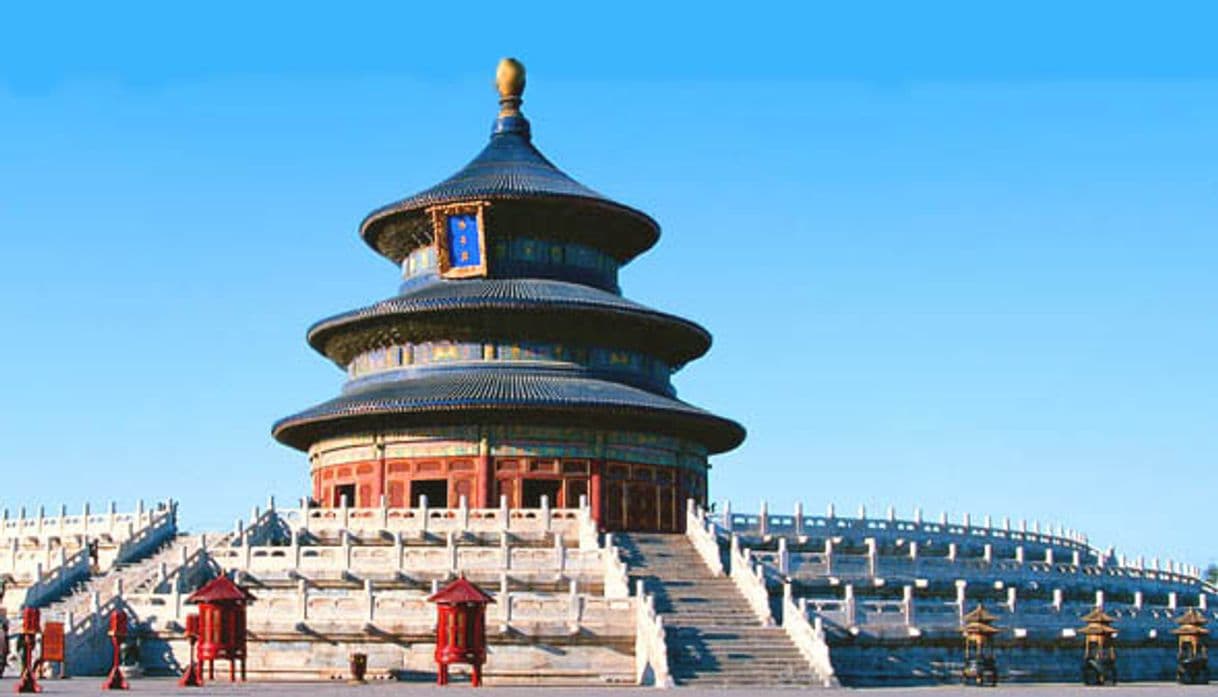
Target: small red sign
{"points": [[52, 642]]}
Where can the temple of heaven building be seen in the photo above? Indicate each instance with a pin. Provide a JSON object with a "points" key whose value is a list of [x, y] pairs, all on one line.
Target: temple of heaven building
{"points": [[509, 364]]}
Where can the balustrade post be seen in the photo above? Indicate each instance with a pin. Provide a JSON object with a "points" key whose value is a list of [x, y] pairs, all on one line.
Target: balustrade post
{"points": [[370, 596], [872, 556], [1099, 599], [988, 553], [344, 541], [907, 604], [1049, 556], [545, 512], [560, 554], [573, 604], [113, 516], [344, 511], [451, 545], [953, 550], [784, 557], [763, 520], [1076, 558], [1173, 600], [727, 515], [966, 520], [961, 598], [848, 602], [918, 516], [1019, 554], [423, 514], [84, 519], [1203, 601], [1011, 597], [831, 511], [799, 518], [304, 513], [503, 513], [504, 613], [302, 590], [293, 547], [1138, 600], [384, 512], [463, 513], [1058, 599], [828, 556], [892, 513]]}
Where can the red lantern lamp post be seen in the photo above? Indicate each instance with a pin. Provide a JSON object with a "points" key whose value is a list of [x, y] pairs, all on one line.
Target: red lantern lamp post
{"points": [[193, 676], [460, 628], [118, 633], [222, 605], [31, 625]]}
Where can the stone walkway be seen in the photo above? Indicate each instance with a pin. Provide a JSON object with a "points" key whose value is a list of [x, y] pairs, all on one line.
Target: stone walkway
{"points": [[162, 686]]}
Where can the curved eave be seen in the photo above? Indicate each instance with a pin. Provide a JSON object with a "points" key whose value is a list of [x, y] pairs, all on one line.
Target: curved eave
{"points": [[488, 396], [453, 303], [636, 232]]}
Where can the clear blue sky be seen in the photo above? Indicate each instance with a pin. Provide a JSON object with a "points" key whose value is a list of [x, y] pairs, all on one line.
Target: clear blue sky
{"points": [[952, 257]]}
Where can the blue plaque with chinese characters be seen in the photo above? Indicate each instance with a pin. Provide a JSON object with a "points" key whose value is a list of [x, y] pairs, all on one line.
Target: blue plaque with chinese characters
{"points": [[460, 239], [464, 241]]}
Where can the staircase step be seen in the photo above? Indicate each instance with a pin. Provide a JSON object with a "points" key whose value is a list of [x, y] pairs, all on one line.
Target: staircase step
{"points": [[714, 637]]}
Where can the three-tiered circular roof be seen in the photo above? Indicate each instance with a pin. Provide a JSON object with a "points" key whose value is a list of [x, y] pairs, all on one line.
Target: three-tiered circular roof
{"points": [[523, 188]]}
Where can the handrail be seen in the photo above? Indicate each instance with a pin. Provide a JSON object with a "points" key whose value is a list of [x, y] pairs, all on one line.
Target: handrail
{"points": [[750, 580], [650, 643], [701, 534], [808, 638]]}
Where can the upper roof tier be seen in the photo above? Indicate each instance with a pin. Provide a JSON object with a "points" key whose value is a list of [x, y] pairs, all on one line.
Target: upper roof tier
{"points": [[511, 173]]}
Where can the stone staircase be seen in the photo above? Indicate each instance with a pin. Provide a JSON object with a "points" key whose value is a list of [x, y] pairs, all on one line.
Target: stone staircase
{"points": [[134, 576], [714, 638]]}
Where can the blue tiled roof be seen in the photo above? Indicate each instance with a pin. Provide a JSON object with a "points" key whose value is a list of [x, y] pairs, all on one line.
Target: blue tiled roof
{"points": [[509, 167], [683, 339], [515, 393]]}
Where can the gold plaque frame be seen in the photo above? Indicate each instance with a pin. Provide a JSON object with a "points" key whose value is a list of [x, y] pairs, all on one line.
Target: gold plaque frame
{"points": [[439, 226]]}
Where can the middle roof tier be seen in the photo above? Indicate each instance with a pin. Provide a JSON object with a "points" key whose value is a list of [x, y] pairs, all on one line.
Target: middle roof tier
{"points": [[524, 308]]}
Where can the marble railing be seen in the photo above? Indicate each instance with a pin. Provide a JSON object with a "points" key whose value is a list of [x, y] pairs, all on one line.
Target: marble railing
{"points": [[764, 524], [650, 643], [44, 587], [1019, 570], [111, 525], [439, 559], [918, 610], [405, 612], [574, 525], [962, 545], [701, 534], [808, 636], [749, 578]]}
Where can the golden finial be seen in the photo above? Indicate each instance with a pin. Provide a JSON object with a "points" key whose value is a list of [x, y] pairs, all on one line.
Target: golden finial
{"points": [[509, 80]]}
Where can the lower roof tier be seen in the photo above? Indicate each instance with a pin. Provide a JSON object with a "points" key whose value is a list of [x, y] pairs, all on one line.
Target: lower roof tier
{"points": [[525, 308], [541, 396]]}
